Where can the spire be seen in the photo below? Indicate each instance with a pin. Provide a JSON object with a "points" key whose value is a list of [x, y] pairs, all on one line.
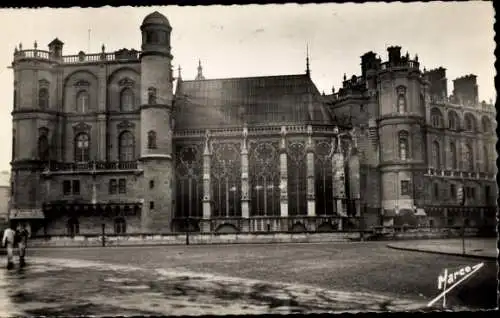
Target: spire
{"points": [[179, 73], [308, 71], [200, 72]]}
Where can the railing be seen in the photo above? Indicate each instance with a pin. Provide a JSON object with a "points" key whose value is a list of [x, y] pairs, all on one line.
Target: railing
{"points": [[78, 58], [460, 174], [403, 64], [92, 166]]}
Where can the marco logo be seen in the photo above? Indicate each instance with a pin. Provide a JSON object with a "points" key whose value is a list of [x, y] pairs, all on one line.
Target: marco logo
{"points": [[451, 279]]}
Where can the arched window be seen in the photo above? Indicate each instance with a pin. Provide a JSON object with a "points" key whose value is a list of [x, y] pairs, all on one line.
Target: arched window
{"points": [[486, 158], [453, 155], [470, 123], [82, 102], [436, 155], [468, 158], [151, 139], [82, 146], [453, 120], [43, 148], [486, 123], [126, 100], [73, 227], [401, 91], [43, 98], [126, 146], [436, 118], [151, 96], [120, 226], [403, 145]]}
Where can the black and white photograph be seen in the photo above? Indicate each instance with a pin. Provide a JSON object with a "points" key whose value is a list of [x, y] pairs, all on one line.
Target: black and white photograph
{"points": [[248, 159]]}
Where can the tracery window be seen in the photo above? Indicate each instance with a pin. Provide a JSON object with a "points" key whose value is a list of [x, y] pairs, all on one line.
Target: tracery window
{"points": [[453, 155], [297, 179], [436, 155], [226, 179], [82, 102], [324, 178], [152, 139], [264, 179], [403, 145], [43, 98], [126, 100], [189, 183], [470, 124], [436, 118], [126, 146], [82, 147]]}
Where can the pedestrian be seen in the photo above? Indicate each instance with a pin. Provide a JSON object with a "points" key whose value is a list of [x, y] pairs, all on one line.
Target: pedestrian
{"points": [[22, 240], [8, 241]]}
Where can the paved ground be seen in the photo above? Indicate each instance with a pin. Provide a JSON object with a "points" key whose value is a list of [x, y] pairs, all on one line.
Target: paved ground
{"points": [[481, 248], [238, 279]]}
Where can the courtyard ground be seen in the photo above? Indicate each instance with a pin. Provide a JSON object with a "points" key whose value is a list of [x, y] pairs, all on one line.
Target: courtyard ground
{"points": [[238, 279]]}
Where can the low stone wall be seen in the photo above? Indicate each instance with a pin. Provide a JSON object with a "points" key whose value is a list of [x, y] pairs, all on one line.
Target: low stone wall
{"points": [[382, 234]]}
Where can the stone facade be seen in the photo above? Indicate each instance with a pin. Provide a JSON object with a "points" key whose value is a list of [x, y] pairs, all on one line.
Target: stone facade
{"points": [[102, 143]]}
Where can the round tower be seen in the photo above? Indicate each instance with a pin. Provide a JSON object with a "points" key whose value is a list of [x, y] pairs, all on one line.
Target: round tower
{"points": [[34, 121], [402, 95], [156, 131]]}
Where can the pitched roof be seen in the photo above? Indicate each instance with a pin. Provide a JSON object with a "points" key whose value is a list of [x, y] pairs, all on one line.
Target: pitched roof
{"points": [[254, 100]]}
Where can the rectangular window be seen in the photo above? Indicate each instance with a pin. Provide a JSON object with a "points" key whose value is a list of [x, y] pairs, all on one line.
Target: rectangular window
{"points": [[76, 187], [151, 184], [66, 187], [436, 191], [151, 205], [405, 187], [122, 185], [453, 191], [487, 195], [112, 186]]}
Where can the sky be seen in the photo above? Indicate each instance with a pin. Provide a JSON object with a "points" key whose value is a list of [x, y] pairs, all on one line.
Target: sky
{"points": [[259, 40]]}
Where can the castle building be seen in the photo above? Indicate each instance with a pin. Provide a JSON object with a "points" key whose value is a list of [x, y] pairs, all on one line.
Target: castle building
{"points": [[103, 140]]}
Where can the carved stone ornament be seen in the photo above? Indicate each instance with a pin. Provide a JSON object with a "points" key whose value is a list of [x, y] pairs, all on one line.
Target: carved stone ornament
{"points": [[126, 81], [401, 89], [43, 131], [81, 127], [43, 83], [125, 54], [81, 83], [125, 125]]}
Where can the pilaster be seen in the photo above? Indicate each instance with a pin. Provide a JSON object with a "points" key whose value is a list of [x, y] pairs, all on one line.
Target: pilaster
{"points": [[207, 208], [101, 135], [338, 179], [311, 195], [283, 175], [245, 198]]}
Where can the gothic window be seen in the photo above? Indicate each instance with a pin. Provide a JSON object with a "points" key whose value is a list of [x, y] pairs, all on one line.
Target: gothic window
{"points": [[152, 139], [82, 102], [297, 179], [436, 155], [264, 179], [120, 226], [486, 123], [468, 158], [403, 145], [470, 124], [151, 96], [43, 98], [73, 227], [324, 178], [402, 103], [126, 100], [453, 120], [82, 147], [226, 179], [453, 155], [436, 118], [43, 148], [126, 146], [189, 184]]}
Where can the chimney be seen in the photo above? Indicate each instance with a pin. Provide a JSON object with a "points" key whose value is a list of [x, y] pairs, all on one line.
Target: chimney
{"points": [[394, 54]]}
